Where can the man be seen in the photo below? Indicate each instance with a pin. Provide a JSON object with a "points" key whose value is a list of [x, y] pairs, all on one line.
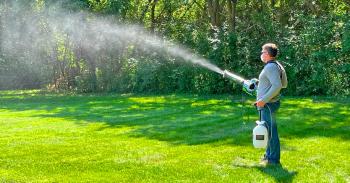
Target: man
{"points": [[271, 79]]}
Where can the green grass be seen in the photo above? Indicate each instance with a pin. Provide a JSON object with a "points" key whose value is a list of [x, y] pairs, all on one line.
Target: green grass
{"points": [[173, 138]]}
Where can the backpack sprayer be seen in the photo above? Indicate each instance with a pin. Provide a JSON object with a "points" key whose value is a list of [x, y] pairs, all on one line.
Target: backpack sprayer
{"points": [[260, 133]]}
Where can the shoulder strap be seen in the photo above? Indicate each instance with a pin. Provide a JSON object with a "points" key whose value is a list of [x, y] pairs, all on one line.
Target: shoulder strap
{"points": [[279, 68]]}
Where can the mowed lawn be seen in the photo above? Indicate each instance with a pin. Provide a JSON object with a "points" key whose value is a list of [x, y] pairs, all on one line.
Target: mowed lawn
{"points": [[48, 137]]}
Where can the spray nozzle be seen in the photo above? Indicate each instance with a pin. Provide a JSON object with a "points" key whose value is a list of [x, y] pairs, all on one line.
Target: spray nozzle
{"points": [[250, 86]]}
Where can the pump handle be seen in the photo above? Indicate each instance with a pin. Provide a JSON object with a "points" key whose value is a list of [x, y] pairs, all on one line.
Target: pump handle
{"points": [[259, 109]]}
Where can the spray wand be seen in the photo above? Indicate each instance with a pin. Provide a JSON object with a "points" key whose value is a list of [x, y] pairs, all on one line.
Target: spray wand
{"points": [[249, 86]]}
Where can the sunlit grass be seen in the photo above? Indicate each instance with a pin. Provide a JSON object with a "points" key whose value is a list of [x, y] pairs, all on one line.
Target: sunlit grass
{"points": [[47, 137]]}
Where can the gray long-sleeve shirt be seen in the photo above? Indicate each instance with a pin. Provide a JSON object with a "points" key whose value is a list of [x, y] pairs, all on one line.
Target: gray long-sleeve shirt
{"points": [[270, 83]]}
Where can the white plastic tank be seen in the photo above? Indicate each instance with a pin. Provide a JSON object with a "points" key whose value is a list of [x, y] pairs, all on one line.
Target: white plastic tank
{"points": [[260, 135]]}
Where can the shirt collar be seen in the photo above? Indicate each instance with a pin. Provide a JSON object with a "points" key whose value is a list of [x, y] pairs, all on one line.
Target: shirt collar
{"points": [[270, 61]]}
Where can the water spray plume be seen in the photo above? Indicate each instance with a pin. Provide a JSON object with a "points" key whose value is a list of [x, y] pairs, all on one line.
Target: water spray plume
{"points": [[83, 31], [92, 37]]}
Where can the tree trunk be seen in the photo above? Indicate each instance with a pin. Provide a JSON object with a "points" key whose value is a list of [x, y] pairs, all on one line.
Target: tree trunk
{"points": [[232, 14], [144, 11], [283, 12], [273, 2], [309, 7], [1, 30], [214, 12], [347, 2], [93, 77], [153, 21]]}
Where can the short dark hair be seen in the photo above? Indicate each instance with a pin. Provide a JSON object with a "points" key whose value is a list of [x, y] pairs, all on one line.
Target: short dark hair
{"points": [[271, 49]]}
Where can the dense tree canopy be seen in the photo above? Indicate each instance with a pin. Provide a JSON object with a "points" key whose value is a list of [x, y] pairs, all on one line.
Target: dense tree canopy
{"points": [[313, 39]]}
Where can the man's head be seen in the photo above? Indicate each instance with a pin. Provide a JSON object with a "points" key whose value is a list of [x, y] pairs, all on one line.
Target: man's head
{"points": [[269, 52]]}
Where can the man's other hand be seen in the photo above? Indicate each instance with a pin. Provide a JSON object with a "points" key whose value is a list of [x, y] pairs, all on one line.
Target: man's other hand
{"points": [[259, 103]]}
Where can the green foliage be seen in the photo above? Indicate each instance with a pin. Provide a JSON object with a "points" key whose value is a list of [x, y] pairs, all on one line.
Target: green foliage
{"points": [[317, 59], [116, 7], [313, 38]]}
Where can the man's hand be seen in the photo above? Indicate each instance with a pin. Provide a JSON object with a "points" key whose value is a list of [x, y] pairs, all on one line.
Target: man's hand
{"points": [[259, 103]]}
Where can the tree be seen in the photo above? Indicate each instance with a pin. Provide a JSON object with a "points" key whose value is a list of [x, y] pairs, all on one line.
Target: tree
{"points": [[232, 14], [214, 9]]}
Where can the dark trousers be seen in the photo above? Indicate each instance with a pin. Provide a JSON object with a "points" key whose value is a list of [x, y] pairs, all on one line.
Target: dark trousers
{"points": [[268, 114]]}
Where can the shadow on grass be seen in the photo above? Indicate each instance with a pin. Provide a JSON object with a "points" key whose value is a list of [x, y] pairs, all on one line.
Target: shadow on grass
{"points": [[185, 119], [277, 172], [177, 119]]}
